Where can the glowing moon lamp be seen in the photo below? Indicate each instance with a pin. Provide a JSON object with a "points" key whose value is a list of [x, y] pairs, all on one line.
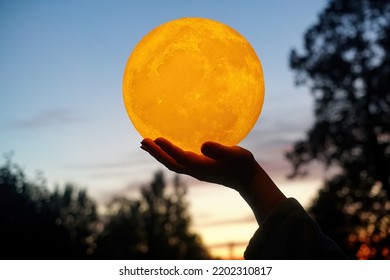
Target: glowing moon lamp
{"points": [[193, 80]]}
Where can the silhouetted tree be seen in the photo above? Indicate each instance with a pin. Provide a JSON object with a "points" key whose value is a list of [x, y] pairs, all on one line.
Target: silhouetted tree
{"points": [[157, 226], [346, 63], [76, 212], [38, 224]]}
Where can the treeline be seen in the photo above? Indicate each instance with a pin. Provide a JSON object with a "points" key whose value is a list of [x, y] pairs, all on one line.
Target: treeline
{"points": [[36, 223]]}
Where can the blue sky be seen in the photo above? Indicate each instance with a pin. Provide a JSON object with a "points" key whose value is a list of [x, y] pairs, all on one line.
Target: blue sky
{"points": [[61, 108]]}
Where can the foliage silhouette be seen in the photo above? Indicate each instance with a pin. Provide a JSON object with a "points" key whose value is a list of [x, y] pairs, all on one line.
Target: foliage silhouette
{"points": [[346, 63], [154, 227], [38, 224]]}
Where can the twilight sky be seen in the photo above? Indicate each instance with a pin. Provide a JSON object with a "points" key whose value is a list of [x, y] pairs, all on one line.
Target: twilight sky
{"points": [[61, 108]]}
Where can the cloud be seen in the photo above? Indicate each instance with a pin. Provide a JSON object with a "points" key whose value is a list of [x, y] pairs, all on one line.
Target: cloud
{"points": [[272, 138], [108, 165], [129, 164], [242, 220], [281, 131], [49, 118]]}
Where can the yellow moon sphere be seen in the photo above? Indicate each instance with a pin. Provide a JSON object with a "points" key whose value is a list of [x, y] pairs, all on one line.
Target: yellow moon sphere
{"points": [[193, 80]]}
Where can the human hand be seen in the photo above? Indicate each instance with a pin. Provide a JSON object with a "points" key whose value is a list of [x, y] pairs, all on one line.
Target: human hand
{"points": [[234, 167]]}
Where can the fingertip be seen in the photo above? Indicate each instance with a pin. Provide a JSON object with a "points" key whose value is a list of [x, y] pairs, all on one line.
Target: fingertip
{"points": [[215, 150], [161, 140], [166, 145], [146, 140], [222, 152], [143, 148], [208, 146]]}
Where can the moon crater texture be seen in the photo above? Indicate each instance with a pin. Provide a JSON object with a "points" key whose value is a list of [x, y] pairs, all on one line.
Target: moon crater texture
{"points": [[193, 80]]}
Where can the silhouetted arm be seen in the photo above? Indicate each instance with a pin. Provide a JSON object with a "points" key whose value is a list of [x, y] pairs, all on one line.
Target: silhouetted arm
{"points": [[289, 233], [234, 167], [286, 230]]}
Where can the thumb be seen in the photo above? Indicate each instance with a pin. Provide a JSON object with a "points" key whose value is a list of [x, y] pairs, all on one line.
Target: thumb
{"points": [[221, 152]]}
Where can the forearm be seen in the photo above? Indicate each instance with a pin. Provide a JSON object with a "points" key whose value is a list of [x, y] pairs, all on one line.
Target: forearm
{"points": [[262, 195]]}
